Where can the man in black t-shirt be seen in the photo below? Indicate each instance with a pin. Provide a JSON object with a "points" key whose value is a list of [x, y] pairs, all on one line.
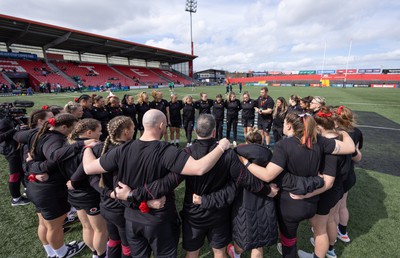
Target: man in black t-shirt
{"points": [[141, 162], [265, 107], [198, 223]]}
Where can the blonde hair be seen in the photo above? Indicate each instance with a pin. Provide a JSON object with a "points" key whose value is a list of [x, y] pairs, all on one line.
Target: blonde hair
{"points": [[71, 107], [140, 97]]}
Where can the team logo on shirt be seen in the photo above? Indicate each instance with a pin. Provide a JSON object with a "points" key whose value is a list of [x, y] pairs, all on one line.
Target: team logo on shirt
{"points": [[93, 210]]}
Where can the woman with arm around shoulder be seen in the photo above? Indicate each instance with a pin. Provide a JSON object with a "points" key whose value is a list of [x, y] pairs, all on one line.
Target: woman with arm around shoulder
{"points": [[299, 154]]}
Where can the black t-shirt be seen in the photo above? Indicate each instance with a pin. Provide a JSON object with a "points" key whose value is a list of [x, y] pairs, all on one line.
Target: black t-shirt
{"points": [[248, 109], [114, 112], [142, 109], [161, 105], [279, 119], [218, 110], [87, 113], [295, 158], [227, 167], [188, 112], [175, 111], [204, 107], [141, 162], [233, 108], [265, 104], [130, 111]]}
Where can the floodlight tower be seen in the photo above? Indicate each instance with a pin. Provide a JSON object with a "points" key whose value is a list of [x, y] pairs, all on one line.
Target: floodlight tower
{"points": [[191, 7]]}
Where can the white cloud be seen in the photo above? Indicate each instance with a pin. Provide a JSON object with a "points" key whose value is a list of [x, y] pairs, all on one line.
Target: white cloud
{"points": [[240, 35]]}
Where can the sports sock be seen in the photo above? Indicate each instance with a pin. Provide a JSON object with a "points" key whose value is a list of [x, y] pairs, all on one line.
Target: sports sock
{"points": [[342, 229], [62, 251], [49, 250], [103, 255]]}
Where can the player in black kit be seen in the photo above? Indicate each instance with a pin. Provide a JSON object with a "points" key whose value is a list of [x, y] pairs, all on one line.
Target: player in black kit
{"points": [[265, 106], [299, 154], [188, 114], [233, 107], [175, 107], [219, 114], [143, 161]]}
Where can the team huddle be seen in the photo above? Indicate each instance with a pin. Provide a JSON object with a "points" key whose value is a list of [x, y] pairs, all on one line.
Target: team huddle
{"points": [[88, 155]]}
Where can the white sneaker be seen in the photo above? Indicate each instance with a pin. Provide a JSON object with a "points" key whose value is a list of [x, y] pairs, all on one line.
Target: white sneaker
{"points": [[331, 254], [303, 254], [279, 248], [234, 144], [343, 237], [187, 144]]}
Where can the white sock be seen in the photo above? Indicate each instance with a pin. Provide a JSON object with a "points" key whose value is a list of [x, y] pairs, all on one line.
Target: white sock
{"points": [[235, 255], [172, 141], [62, 251], [49, 250], [16, 199], [177, 141]]}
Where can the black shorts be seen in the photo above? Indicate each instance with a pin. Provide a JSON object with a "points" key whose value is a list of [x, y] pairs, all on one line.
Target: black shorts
{"points": [[265, 125], [50, 200], [90, 202], [328, 200], [176, 124], [161, 238], [218, 236], [247, 122], [350, 181]]}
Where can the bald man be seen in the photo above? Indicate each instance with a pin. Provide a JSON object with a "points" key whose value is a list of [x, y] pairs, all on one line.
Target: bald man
{"points": [[141, 162]]}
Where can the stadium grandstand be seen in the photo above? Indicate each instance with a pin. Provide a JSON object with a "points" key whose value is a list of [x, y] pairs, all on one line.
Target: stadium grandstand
{"points": [[34, 53], [375, 78]]}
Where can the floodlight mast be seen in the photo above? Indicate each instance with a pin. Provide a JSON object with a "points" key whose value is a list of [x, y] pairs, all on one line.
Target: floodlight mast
{"points": [[191, 7]]}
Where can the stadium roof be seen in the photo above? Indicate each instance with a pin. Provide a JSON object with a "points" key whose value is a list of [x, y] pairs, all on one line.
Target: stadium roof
{"points": [[15, 30]]}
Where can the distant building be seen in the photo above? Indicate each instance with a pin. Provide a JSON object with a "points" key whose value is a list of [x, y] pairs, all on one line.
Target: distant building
{"points": [[210, 75]]}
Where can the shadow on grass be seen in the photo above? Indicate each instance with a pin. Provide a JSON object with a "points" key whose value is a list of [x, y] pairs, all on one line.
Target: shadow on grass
{"points": [[381, 141], [366, 207]]}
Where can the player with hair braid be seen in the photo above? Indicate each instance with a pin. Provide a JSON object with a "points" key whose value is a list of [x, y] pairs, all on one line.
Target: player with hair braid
{"points": [[85, 199], [47, 187], [120, 130]]}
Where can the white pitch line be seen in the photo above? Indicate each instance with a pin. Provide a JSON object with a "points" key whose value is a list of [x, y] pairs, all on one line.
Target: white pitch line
{"points": [[370, 104], [379, 127]]}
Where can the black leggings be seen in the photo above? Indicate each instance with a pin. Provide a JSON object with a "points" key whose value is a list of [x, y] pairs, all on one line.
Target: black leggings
{"points": [[188, 126], [231, 120], [290, 213], [116, 231], [219, 127], [16, 173]]}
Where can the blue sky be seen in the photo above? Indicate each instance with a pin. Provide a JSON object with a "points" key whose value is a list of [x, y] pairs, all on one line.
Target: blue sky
{"points": [[285, 35]]}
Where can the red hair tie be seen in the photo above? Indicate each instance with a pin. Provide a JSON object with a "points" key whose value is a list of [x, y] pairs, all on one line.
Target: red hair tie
{"points": [[52, 121], [76, 100], [322, 114], [144, 208], [339, 111], [45, 107]]}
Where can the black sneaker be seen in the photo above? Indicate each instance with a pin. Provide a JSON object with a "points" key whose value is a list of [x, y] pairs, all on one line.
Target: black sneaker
{"points": [[70, 220], [177, 145], [21, 201], [74, 248]]}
